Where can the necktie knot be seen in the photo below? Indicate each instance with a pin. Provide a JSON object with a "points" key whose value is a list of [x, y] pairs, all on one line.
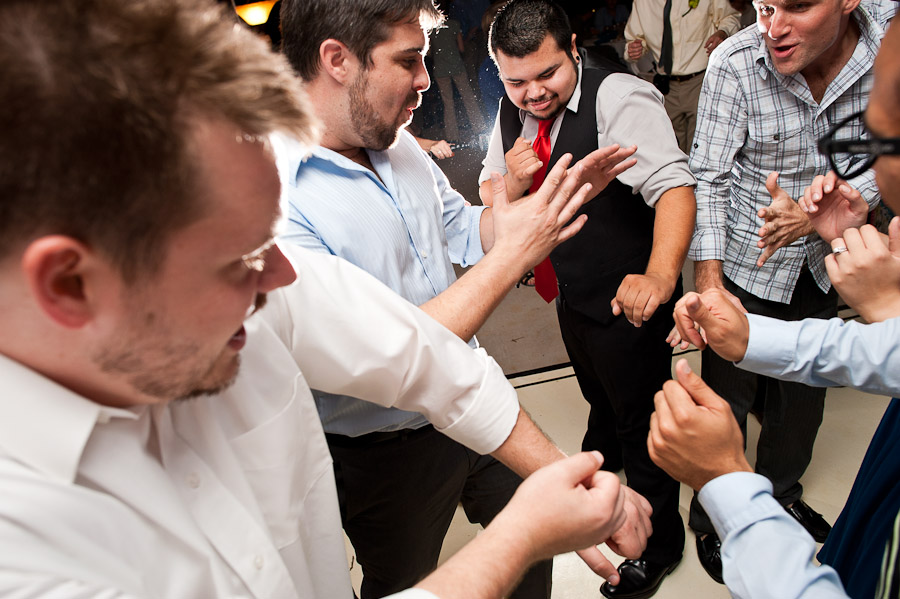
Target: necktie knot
{"points": [[544, 127]]}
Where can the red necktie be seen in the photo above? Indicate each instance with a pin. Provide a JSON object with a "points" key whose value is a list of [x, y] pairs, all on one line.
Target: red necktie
{"points": [[544, 276]]}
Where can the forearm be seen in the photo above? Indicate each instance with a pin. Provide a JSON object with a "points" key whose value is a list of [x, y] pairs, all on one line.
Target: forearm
{"points": [[765, 552], [672, 229], [514, 190], [466, 304], [486, 228], [826, 353], [486, 193], [527, 448], [708, 275], [489, 566]]}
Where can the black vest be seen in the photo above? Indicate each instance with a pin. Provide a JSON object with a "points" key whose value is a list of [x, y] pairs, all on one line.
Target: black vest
{"points": [[617, 238]]}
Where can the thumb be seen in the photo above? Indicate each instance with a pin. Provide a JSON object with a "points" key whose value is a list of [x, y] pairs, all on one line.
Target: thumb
{"points": [[696, 387], [498, 187], [697, 310], [581, 466], [894, 236], [616, 308], [772, 184]]}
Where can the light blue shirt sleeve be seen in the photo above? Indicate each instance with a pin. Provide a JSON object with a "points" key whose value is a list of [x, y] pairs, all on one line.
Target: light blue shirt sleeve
{"points": [[765, 552], [826, 353]]}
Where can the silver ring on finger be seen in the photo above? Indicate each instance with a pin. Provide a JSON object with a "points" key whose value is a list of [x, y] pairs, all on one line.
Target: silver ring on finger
{"points": [[838, 250]]}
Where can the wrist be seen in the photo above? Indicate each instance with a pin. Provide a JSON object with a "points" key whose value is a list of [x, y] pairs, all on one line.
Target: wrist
{"points": [[666, 279], [708, 275], [881, 313]]}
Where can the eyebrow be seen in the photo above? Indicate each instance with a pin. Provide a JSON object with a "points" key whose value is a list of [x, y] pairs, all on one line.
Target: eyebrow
{"points": [[415, 50], [546, 71]]}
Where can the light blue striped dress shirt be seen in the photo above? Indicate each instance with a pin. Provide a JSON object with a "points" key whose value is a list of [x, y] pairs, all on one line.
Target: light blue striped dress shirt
{"points": [[406, 226]]}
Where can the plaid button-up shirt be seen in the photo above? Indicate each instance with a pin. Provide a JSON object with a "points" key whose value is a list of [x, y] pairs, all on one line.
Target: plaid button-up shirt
{"points": [[753, 120]]}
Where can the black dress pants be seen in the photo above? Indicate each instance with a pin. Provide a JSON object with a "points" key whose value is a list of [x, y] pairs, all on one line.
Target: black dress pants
{"points": [[620, 368], [791, 412], [397, 499]]}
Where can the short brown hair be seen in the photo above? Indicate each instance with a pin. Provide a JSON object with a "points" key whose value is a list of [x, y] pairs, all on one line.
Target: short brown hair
{"points": [[97, 97], [359, 24]]}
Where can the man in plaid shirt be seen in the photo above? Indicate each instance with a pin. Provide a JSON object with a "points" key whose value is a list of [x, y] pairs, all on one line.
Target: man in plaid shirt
{"points": [[769, 93]]}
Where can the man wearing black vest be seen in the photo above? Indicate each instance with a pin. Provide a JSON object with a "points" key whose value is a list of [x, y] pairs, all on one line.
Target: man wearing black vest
{"points": [[618, 279]]}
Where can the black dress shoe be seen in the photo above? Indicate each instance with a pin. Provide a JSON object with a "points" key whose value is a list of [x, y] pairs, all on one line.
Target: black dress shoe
{"points": [[810, 519], [709, 552], [638, 579]]}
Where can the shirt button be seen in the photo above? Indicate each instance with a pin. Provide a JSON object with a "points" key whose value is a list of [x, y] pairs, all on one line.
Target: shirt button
{"points": [[258, 561], [193, 480], [424, 254]]}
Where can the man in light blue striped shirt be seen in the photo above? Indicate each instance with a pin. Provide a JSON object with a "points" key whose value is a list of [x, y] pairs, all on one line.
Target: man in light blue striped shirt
{"points": [[370, 195]]}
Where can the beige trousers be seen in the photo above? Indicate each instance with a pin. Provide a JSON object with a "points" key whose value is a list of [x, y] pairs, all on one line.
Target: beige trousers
{"points": [[681, 106]]}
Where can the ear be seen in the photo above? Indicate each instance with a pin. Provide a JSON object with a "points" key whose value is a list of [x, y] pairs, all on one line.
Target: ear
{"points": [[337, 61], [58, 270], [848, 6], [574, 48]]}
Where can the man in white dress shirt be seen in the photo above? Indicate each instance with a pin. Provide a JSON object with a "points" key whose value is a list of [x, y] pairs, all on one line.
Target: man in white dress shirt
{"points": [[157, 433]]}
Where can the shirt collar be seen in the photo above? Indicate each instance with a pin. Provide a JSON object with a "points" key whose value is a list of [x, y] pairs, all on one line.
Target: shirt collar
{"points": [[43, 424]]}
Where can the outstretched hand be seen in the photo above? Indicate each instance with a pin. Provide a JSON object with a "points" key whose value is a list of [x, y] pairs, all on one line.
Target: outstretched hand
{"points": [[867, 274], [694, 436], [605, 164], [833, 206], [532, 226], [784, 223]]}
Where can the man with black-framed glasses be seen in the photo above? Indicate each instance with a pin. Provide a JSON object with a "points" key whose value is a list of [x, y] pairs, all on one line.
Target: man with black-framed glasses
{"points": [[769, 93]]}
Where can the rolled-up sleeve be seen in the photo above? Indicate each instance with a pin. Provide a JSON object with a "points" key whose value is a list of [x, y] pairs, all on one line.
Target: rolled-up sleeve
{"points": [[720, 134], [353, 336], [630, 112]]}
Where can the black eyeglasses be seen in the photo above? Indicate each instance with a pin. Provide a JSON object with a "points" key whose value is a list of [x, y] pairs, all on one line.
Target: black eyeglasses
{"points": [[841, 151]]}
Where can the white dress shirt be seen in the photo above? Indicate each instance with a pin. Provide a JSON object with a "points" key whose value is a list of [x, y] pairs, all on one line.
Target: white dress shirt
{"points": [[691, 27], [231, 495]]}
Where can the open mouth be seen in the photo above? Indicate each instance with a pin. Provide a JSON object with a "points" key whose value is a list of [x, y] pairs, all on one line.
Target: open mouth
{"points": [[782, 51]]}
